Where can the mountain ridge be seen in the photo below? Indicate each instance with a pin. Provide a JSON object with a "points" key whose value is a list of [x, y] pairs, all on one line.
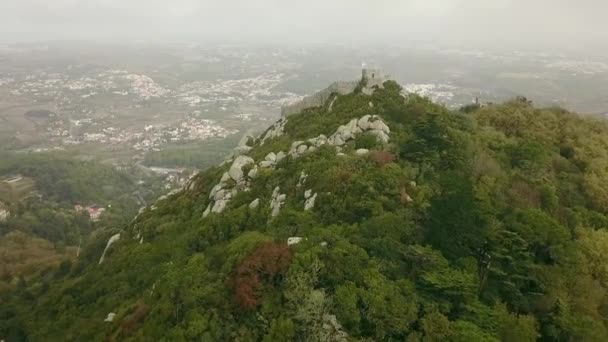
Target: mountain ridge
{"points": [[386, 216]]}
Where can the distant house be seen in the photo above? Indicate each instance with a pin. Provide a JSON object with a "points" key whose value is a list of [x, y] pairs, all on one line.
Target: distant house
{"points": [[94, 211]]}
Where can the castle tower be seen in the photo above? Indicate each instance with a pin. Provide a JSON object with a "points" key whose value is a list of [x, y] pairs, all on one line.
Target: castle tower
{"points": [[372, 78]]}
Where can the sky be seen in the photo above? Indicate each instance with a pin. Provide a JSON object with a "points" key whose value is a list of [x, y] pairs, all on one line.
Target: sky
{"points": [[564, 23]]}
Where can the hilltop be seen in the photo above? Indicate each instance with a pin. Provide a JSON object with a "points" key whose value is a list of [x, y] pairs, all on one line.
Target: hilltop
{"points": [[374, 215]]}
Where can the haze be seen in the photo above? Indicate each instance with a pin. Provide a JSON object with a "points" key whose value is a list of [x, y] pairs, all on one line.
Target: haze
{"points": [[555, 23]]}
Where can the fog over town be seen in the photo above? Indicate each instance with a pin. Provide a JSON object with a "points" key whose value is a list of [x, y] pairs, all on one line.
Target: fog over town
{"points": [[545, 23]]}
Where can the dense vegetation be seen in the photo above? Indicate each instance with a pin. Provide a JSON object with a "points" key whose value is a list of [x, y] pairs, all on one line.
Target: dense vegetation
{"points": [[505, 239], [44, 228]]}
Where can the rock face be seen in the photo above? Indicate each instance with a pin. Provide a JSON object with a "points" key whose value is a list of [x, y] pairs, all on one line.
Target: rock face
{"points": [[276, 202], [111, 241]]}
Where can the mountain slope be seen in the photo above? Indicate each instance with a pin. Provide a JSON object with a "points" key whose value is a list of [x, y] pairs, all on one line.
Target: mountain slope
{"points": [[478, 225]]}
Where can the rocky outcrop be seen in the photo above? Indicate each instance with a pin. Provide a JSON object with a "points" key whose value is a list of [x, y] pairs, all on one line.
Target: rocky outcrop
{"points": [[310, 199], [254, 204], [274, 131], [271, 159], [111, 241], [366, 124], [236, 170], [223, 192], [276, 202], [302, 179]]}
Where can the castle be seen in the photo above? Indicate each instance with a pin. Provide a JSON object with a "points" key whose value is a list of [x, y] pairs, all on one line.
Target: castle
{"points": [[370, 78]]}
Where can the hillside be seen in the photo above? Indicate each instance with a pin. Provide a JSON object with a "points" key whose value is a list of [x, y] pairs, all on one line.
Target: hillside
{"points": [[375, 217]]}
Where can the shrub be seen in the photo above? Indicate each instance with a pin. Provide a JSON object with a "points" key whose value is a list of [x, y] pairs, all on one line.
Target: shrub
{"points": [[382, 157], [366, 140]]}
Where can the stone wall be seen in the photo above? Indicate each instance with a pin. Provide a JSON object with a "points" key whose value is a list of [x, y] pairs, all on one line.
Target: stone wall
{"points": [[372, 77], [318, 99]]}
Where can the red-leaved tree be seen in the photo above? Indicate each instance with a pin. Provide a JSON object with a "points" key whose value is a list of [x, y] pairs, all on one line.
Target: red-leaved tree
{"points": [[263, 267]]}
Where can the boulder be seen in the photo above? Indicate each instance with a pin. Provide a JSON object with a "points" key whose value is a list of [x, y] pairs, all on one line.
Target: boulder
{"points": [[266, 164], [110, 317], [253, 172], [308, 193], [295, 145], [271, 157], [310, 203], [241, 150], [225, 177], [254, 204], [214, 190], [363, 122], [338, 141], [276, 202], [280, 156], [353, 127], [294, 240], [362, 151], [236, 170], [381, 136], [220, 195], [302, 149], [381, 126]]}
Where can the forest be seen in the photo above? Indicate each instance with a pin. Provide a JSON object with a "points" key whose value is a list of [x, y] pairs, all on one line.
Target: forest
{"points": [[487, 223], [44, 228]]}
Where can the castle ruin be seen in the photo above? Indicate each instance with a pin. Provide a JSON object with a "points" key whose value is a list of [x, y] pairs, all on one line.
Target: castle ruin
{"points": [[370, 78]]}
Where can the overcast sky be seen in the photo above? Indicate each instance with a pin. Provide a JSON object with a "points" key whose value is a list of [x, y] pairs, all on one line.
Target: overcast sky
{"points": [[556, 22]]}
